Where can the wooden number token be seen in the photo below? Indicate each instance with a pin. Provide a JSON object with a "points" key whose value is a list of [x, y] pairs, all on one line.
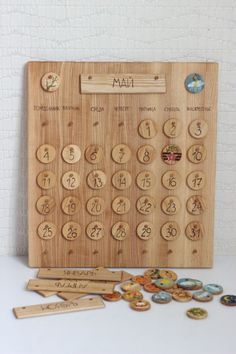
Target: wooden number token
{"points": [[145, 180], [70, 205], [198, 128], [46, 179], [95, 230], [196, 180], [121, 153], [147, 129], [95, 205], [197, 153], [171, 180], [93, 154], [121, 205], [71, 230], [45, 205], [96, 179], [70, 180], [122, 180], [170, 230], [196, 205], [71, 153], [145, 230], [172, 128], [194, 231], [50, 82], [46, 153], [146, 154], [146, 205], [170, 205], [46, 230], [171, 154], [120, 230]]}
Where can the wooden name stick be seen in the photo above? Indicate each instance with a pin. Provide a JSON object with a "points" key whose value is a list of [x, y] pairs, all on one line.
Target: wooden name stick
{"points": [[93, 274]]}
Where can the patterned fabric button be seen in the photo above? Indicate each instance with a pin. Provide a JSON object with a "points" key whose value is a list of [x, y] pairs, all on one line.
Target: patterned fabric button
{"points": [[115, 296], [132, 295], [194, 83], [140, 305], [197, 313], [50, 82], [228, 300], [131, 286], [161, 297], [213, 289], [171, 154], [164, 283], [202, 296]]}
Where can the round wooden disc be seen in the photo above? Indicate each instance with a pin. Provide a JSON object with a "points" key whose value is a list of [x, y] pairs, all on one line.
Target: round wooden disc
{"points": [[171, 154], [196, 180], [45, 205], [172, 128], [198, 128], [147, 129], [121, 205], [146, 154], [70, 205], [96, 179], [95, 205], [197, 153], [194, 231], [71, 230], [170, 231], [146, 204], [170, 205], [171, 180], [145, 230], [94, 153], [120, 230], [196, 205], [146, 180], [47, 230], [50, 82], [95, 230], [70, 180], [121, 153], [46, 153], [46, 179], [121, 180], [71, 153]]}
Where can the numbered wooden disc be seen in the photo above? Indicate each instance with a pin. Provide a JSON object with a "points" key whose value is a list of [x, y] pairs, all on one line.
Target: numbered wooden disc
{"points": [[95, 205], [96, 179], [121, 153], [46, 179], [196, 205], [146, 204], [196, 180], [95, 230], [121, 180], [194, 231], [45, 205], [170, 231], [47, 230], [170, 205], [50, 82], [121, 205], [46, 153], [94, 154], [146, 154], [171, 154], [71, 230], [70, 205], [71, 153], [198, 128], [70, 180], [172, 128], [197, 153], [145, 230], [120, 230], [147, 129], [146, 180], [171, 180]]}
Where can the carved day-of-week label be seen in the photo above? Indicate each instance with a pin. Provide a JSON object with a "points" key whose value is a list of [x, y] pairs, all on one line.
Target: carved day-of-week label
{"points": [[198, 108], [45, 108]]}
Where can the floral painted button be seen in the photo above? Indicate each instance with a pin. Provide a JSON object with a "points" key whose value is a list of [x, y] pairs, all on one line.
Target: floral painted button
{"points": [[46, 153], [194, 83], [140, 305], [132, 295], [213, 289], [115, 296], [141, 279], [172, 127], [194, 230], [164, 283], [50, 82], [161, 297], [182, 296], [202, 296], [130, 286], [153, 273], [170, 231], [228, 300], [147, 129], [165, 273], [146, 180], [197, 313], [151, 288], [171, 154]]}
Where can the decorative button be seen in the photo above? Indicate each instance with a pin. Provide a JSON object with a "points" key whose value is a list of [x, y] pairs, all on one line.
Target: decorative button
{"points": [[95, 230], [145, 230], [171, 180], [170, 231], [46, 179], [172, 128], [121, 153], [197, 313], [46, 230], [71, 230], [121, 205], [120, 230], [95, 206], [147, 129], [146, 154], [197, 153], [71, 153], [70, 205], [161, 297], [196, 205], [194, 83], [46, 153], [145, 205], [70, 180], [214, 289], [171, 154], [198, 128], [45, 205], [94, 153], [140, 305], [170, 205], [194, 231], [96, 179], [50, 82], [146, 180], [196, 180], [122, 180]]}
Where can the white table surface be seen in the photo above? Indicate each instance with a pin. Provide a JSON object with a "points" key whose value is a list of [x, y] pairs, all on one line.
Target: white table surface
{"points": [[117, 329]]}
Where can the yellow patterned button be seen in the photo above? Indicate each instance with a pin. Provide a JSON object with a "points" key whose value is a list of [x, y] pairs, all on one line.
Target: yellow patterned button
{"points": [[145, 230], [170, 231], [171, 180], [94, 154], [70, 180], [121, 153], [170, 205], [196, 180], [46, 179], [147, 129], [46, 153], [70, 205], [121, 180], [96, 179], [95, 205], [196, 205], [171, 154], [197, 153], [71, 230], [71, 153], [172, 128], [47, 230], [198, 128], [121, 205], [45, 205], [194, 231], [146, 154], [50, 82], [146, 180], [146, 204], [120, 230], [95, 230]]}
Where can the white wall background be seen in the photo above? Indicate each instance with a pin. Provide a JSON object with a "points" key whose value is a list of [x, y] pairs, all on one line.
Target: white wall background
{"points": [[112, 30]]}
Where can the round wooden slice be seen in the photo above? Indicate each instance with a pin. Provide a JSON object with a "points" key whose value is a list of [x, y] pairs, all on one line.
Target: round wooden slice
{"points": [[46, 179], [46, 153], [147, 129], [71, 153]]}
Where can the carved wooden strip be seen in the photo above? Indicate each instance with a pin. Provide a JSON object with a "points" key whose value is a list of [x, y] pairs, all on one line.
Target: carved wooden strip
{"points": [[123, 83], [92, 274], [74, 286], [70, 296], [58, 307], [126, 276], [46, 293]]}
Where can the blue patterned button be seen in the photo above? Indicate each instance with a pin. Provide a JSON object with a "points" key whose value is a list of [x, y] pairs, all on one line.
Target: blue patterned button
{"points": [[213, 289], [161, 298], [202, 296], [194, 83]]}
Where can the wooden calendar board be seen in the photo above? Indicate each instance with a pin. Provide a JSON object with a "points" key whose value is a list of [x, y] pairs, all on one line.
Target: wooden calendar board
{"points": [[121, 164]]}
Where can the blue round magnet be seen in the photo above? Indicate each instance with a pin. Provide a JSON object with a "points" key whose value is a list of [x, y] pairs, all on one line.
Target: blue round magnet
{"points": [[161, 298], [213, 289], [194, 83]]}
